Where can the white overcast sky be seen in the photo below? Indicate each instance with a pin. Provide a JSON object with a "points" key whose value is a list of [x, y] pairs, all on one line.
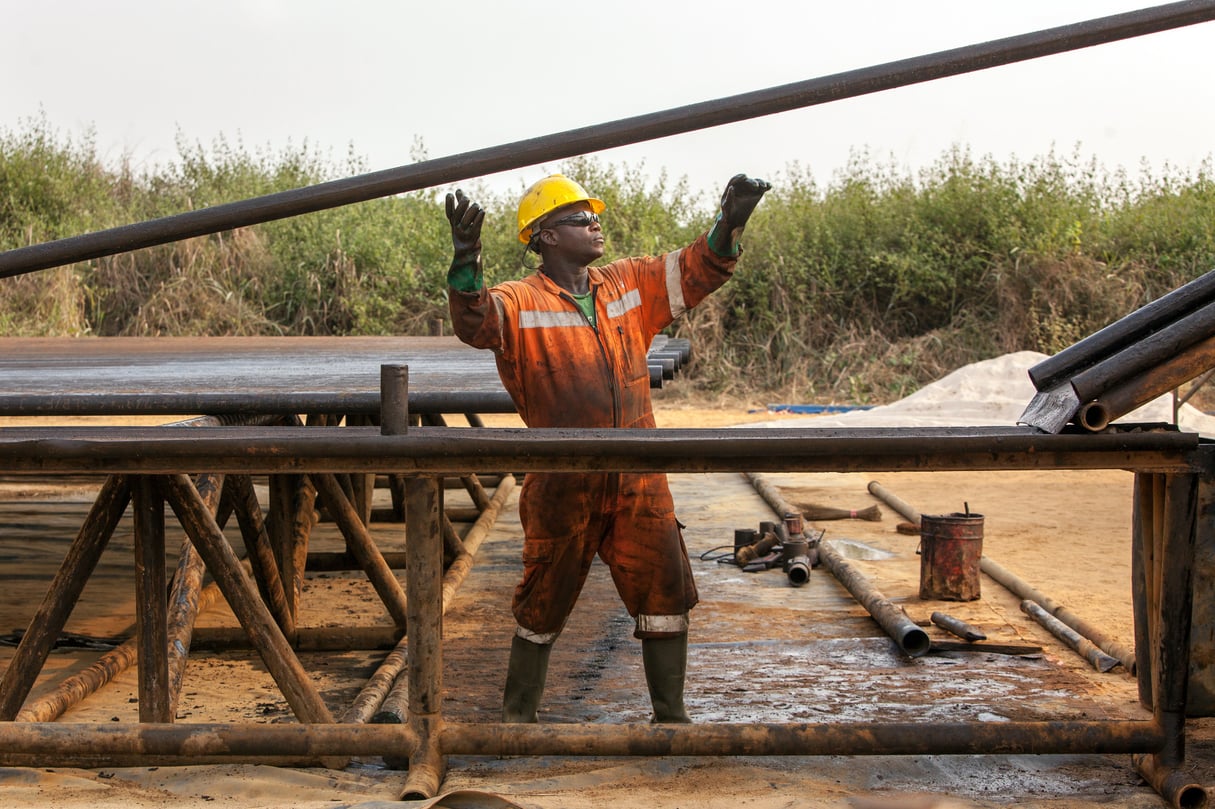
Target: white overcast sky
{"points": [[469, 74]]}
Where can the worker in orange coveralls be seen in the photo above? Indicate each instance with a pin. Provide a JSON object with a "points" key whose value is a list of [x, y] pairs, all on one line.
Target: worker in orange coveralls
{"points": [[571, 342]]}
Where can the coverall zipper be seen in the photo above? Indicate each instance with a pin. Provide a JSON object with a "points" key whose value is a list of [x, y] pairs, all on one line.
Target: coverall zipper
{"points": [[617, 410]]}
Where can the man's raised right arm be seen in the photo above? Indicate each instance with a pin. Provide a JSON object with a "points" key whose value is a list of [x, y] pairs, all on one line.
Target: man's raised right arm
{"points": [[474, 315]]}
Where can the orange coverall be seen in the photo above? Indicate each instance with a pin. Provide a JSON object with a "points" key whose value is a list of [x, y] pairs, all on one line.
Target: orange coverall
{"points": [[562, 372]]}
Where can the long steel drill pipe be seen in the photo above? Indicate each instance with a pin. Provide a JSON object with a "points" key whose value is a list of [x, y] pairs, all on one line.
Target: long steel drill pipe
{"points": [[1124, 332], [679, 120]]}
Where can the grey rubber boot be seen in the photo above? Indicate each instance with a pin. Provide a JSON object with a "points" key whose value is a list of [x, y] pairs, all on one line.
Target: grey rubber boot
{"points": [[666, 663], [525, 676]]}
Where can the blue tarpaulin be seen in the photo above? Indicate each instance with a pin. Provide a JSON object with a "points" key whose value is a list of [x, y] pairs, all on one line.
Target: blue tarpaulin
{"points": [[815, 409]]}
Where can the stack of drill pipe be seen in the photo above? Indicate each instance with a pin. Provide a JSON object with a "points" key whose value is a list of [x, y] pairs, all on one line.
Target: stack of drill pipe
{"points": [[1018, 587], [665, 358], [1130, 362]]}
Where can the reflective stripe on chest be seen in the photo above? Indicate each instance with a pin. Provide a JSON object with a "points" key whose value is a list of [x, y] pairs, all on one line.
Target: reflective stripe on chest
{"points": [[544, 319]]}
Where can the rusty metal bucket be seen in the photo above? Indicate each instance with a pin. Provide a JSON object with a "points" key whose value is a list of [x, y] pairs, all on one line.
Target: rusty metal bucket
{"points": [[951, 547]]}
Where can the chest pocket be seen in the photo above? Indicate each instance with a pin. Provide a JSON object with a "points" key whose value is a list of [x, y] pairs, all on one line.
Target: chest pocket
{"points": [[625, 327]]}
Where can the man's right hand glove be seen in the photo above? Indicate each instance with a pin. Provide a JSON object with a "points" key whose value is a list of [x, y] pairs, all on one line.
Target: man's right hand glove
{"points": [[466, 218], [738, 201]]}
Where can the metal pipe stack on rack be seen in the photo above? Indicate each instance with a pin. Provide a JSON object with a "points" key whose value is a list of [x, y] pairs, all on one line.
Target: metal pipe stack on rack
{"points": [[1149, 352]]}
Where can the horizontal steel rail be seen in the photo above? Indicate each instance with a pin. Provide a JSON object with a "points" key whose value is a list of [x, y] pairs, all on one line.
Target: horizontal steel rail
{"points": [[680, 120], [809, 739], [55, 740], [189, 740], [457, 450]]}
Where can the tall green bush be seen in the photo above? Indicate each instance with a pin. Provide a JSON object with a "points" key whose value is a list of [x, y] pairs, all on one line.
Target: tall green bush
{"points": [[861, 288]]}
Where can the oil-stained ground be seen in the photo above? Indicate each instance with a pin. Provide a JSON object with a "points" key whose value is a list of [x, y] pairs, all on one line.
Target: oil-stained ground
{"points": [[760, 650]]}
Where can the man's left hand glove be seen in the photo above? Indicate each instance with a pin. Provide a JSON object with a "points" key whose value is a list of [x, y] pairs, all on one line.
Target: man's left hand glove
{"points": [[738, 201]]}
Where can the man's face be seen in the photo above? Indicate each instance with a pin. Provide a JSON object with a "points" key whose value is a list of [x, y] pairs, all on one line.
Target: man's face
{"points": [[574, 230]]}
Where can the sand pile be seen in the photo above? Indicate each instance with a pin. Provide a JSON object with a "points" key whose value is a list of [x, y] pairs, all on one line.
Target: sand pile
{"points": [[989, 393]]}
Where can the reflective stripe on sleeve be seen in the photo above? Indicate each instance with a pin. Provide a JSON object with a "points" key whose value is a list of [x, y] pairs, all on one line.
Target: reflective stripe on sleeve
{"points": [[675, 284], [501, 319]]}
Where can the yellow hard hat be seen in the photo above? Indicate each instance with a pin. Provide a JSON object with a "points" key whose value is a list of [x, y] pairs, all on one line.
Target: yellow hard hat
{"points": [[546, 196]]}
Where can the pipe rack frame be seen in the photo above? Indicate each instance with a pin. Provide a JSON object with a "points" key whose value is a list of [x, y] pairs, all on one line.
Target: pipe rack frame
{"points": [[1168, 464], [460, 450]]}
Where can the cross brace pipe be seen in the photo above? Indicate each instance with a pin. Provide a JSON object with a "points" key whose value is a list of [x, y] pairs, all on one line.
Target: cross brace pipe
{"points": [[679, 120]]}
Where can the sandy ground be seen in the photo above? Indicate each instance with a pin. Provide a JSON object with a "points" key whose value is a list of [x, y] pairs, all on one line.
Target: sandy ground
{"points": [[761, 650]]}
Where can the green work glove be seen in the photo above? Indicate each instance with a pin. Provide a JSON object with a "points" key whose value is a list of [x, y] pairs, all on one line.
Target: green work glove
{"points": [[739, 199], [466, 218]]}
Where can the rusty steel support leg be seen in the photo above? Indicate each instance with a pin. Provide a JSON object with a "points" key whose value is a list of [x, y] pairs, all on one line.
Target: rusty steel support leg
{"points": [[240, 492], [75, 688], [1148, 496], [185, 593], [423, 578], [303, 520], [280, 521], [394, 704], [242, 596], [396, 488], [385, 698], [1165, 546], [187, 599], [150, 605], [1172, 612], [472, 484], [362, 545], [453, 546], [64, 591]]}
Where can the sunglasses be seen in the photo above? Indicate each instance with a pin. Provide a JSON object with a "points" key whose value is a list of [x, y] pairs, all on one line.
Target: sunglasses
{"points": [[582, 219]]}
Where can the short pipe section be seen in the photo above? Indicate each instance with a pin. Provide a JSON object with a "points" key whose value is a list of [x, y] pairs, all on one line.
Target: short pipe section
{"points": [[1094, 417]]}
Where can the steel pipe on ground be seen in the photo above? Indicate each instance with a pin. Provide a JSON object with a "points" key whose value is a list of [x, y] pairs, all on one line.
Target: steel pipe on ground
{"points": [[911, 639], [1018, 587], [1078, 644], [430, 173], [1104, 643]]}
